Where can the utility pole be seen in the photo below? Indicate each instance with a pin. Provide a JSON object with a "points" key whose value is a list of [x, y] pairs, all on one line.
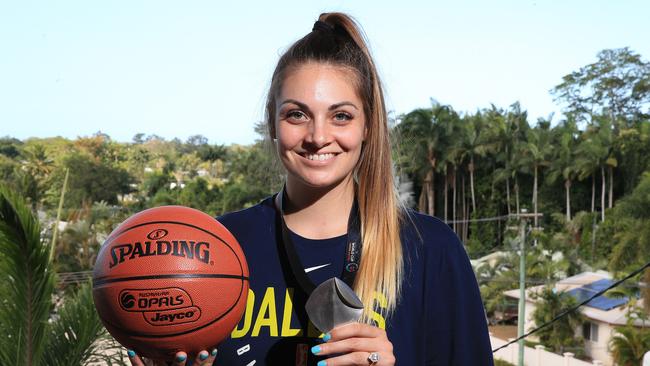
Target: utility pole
{"points": [[523, 217], [521, 316]]}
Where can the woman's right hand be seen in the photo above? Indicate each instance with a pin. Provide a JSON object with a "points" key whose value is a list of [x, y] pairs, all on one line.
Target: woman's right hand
{"points": [[202, 359]]}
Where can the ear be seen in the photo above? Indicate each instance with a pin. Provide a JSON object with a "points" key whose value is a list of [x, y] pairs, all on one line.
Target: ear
{"points": [[365, 133]]}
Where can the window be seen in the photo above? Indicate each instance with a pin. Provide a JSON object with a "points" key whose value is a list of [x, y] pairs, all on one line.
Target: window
{"points": [[590, 331]]}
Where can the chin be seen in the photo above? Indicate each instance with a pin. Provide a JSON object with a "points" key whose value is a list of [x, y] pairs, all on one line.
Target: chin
{"points": [[321, 182]]}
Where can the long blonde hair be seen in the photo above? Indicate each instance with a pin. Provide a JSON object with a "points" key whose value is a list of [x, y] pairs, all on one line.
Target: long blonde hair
{"points": [[342, 43]]}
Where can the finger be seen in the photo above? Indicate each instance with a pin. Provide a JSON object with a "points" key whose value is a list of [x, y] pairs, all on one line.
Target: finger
{"points": [[204, 358], [180, 358], [133, 358], [351, 345], [354, 330], [359, 359]]}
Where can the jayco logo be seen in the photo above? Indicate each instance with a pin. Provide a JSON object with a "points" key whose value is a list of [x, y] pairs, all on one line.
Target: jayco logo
{"points": [[180, 248]]}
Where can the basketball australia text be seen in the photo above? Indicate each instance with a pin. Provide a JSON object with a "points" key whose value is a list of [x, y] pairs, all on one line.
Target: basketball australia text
{"points": [[179, 248]]}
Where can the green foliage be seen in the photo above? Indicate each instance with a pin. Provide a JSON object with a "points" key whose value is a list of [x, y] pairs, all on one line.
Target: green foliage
{"points": [[72, 336], [10, 147], [91, 180], [617, 84], [561, 334], [32, 334], [28, 290], [629, 344]]}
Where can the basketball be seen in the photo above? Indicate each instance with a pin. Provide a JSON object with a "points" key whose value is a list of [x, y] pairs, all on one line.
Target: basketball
{"points": [[170, 279]]}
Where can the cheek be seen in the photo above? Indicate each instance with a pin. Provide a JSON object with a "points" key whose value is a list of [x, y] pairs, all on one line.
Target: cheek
{"points": [[287, 138], [351, 140]]}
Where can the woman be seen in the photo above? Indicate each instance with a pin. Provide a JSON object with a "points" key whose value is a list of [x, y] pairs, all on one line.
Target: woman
{"points": [[325, 113]]}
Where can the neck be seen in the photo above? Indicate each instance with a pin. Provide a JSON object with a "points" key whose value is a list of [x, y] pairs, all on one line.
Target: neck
{"points": [[318, 213]]}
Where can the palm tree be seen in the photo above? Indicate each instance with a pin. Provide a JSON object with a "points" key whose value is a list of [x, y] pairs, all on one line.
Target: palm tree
{"points": [[420, 147], [563, 163], [34, 331], [477, 143], [535, 153], [560, 334], [451, 134], [510, 131], [628, 345], [595, 153]]}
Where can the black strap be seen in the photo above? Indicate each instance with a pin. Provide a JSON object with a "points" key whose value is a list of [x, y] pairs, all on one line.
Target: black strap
{"points": [[352, 253]]}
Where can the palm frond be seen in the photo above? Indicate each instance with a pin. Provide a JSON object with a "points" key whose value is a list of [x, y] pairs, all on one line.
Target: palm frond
{"points": [[27, 283], [73, 335]]}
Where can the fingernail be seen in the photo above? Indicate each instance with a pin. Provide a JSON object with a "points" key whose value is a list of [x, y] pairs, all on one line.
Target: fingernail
{"points": [[203, 355], [131, 353], [316, 350], [327, 337], [322, 363], [214, 352], [181, 358]]}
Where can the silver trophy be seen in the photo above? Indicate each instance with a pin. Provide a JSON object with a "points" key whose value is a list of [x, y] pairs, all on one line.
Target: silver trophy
{"points": [[333, 303]]}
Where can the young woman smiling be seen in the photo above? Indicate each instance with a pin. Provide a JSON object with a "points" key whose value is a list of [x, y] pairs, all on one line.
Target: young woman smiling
{"points": [[326, 115]]}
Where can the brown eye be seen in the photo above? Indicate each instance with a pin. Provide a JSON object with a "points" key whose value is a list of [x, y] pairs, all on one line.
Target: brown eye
{"points": [[295, 115]]}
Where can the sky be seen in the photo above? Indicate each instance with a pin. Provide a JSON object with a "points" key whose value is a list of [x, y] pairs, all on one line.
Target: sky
{"points": [[177, 69]]}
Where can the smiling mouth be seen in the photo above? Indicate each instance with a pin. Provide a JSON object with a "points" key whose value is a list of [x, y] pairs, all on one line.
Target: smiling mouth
{"points": [[318, 157]]}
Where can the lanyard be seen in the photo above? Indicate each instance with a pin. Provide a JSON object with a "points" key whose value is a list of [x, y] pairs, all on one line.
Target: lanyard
{"points": [[352, 252]]}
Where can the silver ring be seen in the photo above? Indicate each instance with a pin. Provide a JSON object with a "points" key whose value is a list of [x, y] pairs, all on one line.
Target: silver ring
{"points": [[373, 358]]}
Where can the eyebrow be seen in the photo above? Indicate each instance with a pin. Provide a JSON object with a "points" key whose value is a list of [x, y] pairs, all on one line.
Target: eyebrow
{"points": [[332, 107]]}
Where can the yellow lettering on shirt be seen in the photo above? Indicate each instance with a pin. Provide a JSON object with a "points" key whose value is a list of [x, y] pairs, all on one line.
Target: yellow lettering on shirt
{"points": [[287, 331], [247, 318], [267, 316], [382, 303]]}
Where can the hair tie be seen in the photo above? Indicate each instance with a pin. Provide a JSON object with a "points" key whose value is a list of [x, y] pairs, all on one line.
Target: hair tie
{"points": [[322, 26]]}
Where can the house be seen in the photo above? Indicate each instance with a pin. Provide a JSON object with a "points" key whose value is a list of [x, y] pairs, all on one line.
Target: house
{"points": [[603, 314]]}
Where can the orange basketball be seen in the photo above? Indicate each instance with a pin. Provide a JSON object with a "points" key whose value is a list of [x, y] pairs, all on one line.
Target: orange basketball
{"points": [[170, 279]]}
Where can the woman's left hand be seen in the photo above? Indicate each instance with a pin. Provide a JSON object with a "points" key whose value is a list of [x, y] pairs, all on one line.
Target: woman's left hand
{"points": [[353, 343]]}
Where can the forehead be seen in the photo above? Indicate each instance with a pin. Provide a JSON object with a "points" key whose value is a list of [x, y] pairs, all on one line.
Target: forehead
{"points": [[319, 82]]}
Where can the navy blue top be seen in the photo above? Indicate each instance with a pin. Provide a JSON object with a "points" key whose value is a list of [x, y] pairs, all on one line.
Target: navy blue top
{"points": [[439, 319]]}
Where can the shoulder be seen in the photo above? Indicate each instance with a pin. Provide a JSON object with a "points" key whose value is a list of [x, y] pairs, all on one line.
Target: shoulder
{"points": [[428, 232], [429, 242], [243, 220]]}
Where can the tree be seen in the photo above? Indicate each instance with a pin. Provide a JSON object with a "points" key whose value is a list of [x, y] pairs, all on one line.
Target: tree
{"points": [[563, 162], [90, 180], [419, 149], [617, 85], [30, 335], [560, 335], [629, 344], [477, 143], [535, 154], [510, 131]]}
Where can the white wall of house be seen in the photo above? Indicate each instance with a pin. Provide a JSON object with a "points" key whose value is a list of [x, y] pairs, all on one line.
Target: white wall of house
{"points": [[599, 349]]}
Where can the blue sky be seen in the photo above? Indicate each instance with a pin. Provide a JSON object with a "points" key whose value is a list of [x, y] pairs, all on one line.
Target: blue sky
{"points": [[175, 69]]}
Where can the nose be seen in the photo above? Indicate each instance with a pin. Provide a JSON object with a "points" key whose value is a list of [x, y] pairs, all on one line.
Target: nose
{"points": [[318, 134]]}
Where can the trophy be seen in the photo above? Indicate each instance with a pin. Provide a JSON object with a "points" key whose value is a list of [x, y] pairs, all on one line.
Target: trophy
{"points": [[333, 303]]}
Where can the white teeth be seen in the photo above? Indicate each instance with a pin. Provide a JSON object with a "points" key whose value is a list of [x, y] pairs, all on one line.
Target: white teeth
{"points": [[319, 157]]}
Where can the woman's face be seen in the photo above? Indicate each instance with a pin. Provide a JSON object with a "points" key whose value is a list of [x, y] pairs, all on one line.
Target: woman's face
{"points": [[320, 124]]}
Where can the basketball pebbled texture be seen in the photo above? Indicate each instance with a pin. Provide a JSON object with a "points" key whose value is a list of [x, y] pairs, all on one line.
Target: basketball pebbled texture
{"points": [[170, 279]]}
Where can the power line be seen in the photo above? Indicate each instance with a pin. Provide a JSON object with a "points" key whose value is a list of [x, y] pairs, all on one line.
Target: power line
{"points": [[566, 312], [485, 219]]}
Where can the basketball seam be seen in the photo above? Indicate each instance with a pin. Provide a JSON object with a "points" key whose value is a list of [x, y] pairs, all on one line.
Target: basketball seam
{"points": [[101, 281]]}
